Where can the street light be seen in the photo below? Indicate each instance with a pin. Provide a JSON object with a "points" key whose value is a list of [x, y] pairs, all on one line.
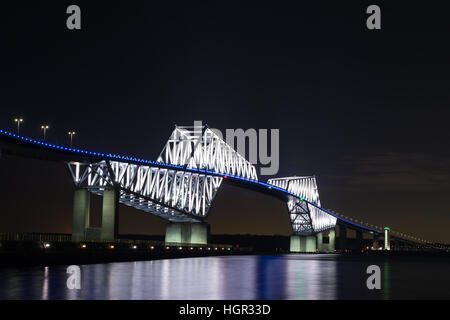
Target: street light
{"points": [[71, 134], [18, 121], [45, 127]]}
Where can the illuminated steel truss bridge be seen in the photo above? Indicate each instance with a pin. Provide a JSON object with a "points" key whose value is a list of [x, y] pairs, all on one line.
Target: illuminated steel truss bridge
{"points": [[181, 184], [182, 192], [183, 195]]}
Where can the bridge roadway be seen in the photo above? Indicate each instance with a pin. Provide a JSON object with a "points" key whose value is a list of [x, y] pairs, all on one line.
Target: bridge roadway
{"points": [[12, 144]]}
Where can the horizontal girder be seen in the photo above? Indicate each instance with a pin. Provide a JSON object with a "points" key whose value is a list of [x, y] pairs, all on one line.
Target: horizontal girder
{"points": [[171, 194]]}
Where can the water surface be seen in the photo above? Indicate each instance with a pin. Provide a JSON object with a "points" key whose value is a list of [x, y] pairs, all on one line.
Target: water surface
{"points": [[294, 276]]}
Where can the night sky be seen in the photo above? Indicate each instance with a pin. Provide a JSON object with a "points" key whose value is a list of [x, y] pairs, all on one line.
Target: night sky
{"points": [[366, 111]]}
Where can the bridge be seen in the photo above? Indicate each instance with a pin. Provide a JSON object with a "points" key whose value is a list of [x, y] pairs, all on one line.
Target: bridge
{"points": [[180, 187]]}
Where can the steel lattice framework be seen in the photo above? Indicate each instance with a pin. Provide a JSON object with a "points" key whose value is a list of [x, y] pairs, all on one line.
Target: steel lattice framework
{"points": [[175, 192], [184, 191], [175, 195], [201, 148], [305, 218]]}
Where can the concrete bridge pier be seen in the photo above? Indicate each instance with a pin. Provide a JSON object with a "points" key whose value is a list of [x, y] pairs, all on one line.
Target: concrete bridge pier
{"points": [[331, 240], [110, 215], [320, 244], [81, 210], [326, 241], [81, 229], [187, 233], [306, 244]]}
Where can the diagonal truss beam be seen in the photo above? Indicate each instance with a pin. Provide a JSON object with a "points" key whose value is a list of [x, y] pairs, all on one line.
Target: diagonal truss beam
{"points": [[305, 218], [171, 194]]}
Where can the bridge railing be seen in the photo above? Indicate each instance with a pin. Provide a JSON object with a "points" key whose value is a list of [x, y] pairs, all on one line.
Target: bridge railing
{"points": [[48, 237], [194, 245], [28, 236]]}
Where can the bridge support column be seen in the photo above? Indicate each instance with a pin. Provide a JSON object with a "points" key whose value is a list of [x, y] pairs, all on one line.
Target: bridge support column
{"points": [[320, 245], [311, 244], [332, 240], [110, 215], [295, 244], [199, 233], [303, 244], [326, 247], [187, 233], [81, 208]]}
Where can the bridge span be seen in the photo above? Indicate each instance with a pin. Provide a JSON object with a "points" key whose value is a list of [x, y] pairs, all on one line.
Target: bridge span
{"points": [[180, 187]]}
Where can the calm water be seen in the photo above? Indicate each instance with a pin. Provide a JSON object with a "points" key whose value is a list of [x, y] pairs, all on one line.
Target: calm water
{"points": [[237, 277]]}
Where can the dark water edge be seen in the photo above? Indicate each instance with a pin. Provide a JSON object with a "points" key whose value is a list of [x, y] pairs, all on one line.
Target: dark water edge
{"points": [[28, 254], [35, 253], [274, 277]]}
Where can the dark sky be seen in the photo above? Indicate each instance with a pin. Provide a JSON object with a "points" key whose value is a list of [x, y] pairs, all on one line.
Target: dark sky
{"points": [[365, 111]]}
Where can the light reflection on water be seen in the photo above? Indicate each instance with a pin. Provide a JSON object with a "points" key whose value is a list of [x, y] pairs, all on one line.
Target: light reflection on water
{"points": [[231, 277], [310, 279]]}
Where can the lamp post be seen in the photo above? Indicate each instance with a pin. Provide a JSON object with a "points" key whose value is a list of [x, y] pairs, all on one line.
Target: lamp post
{"points": [[71, 134], [45, 127], [18, 121]]}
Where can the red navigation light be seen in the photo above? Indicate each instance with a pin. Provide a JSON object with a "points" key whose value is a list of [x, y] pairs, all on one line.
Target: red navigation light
{"points": [[225, 177]]}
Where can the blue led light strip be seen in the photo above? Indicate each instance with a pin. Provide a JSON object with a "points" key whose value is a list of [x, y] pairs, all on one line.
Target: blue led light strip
{"points": [[109, 156]]}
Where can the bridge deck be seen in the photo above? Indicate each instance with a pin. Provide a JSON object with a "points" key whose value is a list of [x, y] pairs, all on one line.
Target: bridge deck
{"points": [[27, 147]]}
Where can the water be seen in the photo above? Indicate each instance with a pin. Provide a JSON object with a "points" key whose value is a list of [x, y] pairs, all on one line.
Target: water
{"points": [[237, 277]]}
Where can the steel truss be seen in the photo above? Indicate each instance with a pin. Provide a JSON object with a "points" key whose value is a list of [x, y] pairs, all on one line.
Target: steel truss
{"points": [[201, 148], [175, 195], [306, 219]]}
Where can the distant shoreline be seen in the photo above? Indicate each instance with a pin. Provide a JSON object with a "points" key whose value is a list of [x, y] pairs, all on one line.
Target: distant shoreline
{"points": [[33, 253]]}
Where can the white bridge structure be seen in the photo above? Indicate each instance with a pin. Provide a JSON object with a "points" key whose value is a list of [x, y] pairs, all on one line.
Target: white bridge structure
{"points": [[180, 186], [306, 219], [183, 192], [175, 195]]}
